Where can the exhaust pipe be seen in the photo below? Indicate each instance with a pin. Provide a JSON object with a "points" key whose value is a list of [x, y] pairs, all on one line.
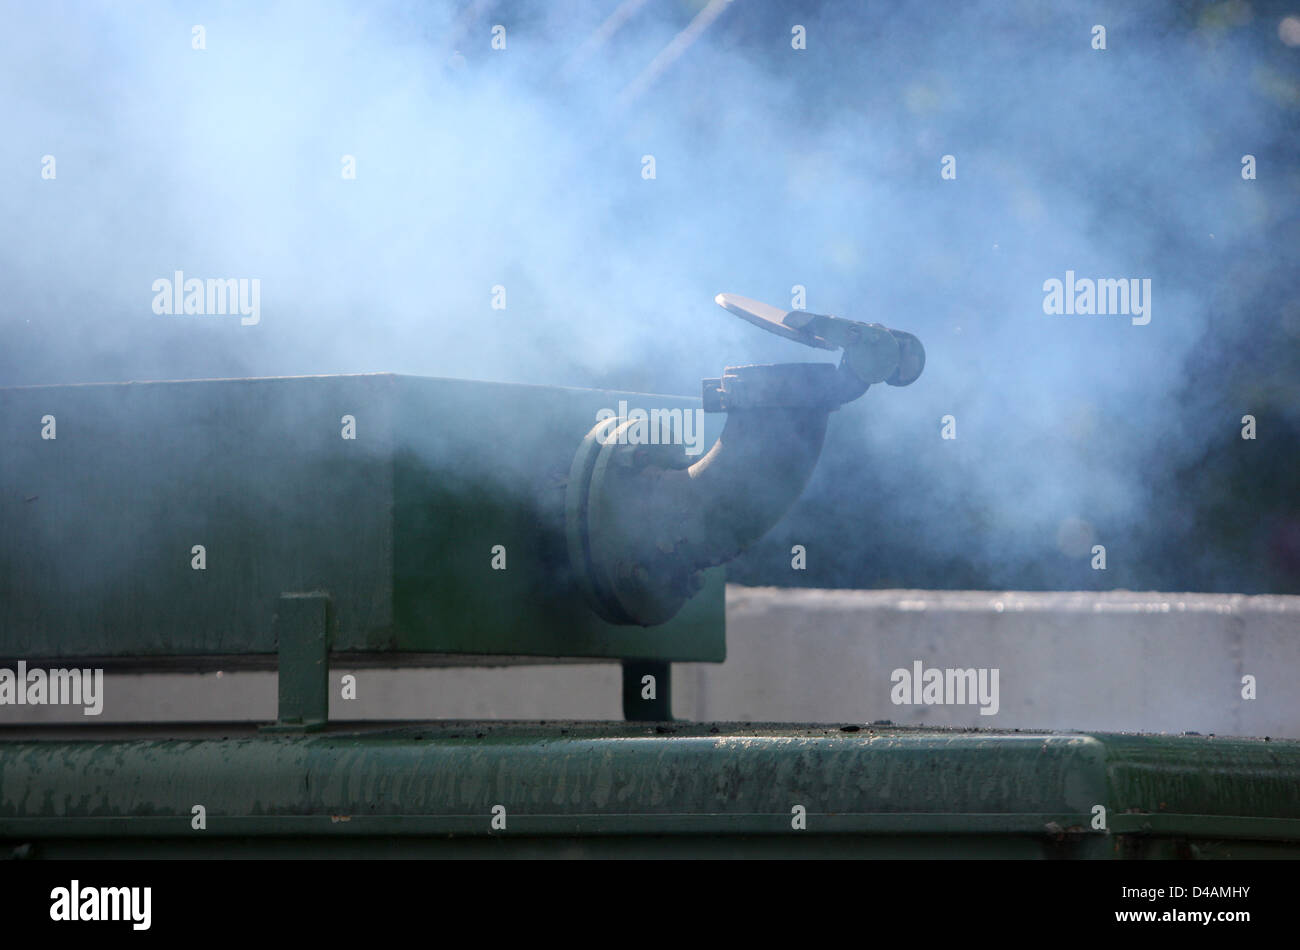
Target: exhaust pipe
{"points": [[642, 522]]}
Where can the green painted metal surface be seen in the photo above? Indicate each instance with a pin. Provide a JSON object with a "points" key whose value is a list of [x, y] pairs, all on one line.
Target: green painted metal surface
{"points": [[304, 627], [621, 788], [98, 525]]}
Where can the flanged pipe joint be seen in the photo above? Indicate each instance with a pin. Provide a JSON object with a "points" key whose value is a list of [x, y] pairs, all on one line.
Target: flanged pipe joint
{"points": [[643, 522]]}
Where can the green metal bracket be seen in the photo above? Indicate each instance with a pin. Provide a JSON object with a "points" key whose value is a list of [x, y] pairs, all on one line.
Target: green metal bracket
{"points": [[304, 626], [637, 706]]}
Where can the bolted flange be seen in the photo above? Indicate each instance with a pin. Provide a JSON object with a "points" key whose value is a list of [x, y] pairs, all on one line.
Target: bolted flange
{"points": [[606, 500]]}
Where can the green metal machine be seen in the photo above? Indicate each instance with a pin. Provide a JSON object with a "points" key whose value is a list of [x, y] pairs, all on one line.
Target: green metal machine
{"points": [[476, 789], [386, 520]]}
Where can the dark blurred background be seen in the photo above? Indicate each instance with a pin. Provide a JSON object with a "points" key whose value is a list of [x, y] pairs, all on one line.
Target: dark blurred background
{"points": [[774, 167]]}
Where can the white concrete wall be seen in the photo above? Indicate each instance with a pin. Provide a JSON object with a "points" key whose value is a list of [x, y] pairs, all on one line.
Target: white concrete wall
{"points": [[1108, 661], [1117, 661]]}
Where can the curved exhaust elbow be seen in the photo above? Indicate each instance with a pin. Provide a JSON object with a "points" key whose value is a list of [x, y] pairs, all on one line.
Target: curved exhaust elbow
{"points": [[748, 480], [643, 523]]}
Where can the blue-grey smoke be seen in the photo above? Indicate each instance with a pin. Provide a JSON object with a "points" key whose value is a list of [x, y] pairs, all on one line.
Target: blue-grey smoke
{"points": [[523, 167]]}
